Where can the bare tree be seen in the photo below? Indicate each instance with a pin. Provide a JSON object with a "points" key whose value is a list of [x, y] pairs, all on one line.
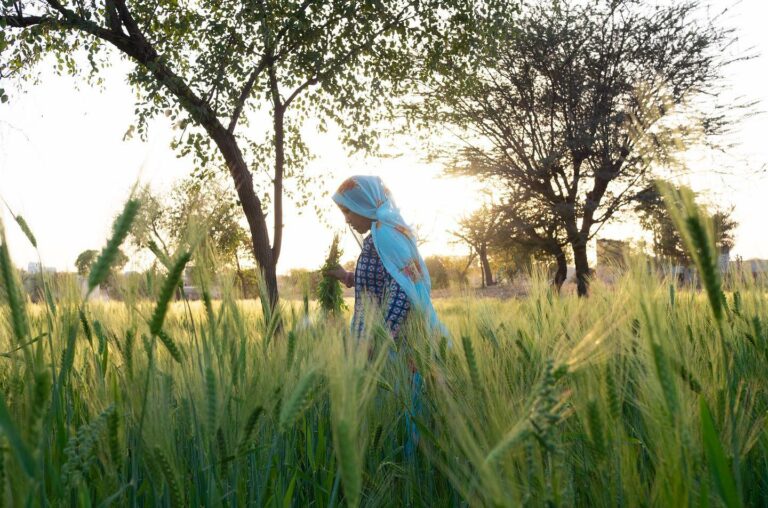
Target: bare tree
{"points": [[577, 104], [478, 231]]}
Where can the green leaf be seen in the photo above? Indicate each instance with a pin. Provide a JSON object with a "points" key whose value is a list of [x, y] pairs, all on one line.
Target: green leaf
{"points": [[718, 462]]}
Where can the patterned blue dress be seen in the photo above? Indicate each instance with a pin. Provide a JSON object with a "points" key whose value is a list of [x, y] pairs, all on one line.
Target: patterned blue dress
{"points": [[373, 281]]}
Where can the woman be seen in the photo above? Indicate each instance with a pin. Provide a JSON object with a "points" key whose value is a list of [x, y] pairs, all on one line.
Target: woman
{"points": [[390, 270]]}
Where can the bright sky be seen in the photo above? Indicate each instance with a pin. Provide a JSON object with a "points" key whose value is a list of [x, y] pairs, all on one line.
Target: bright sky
{"points": [[65, 168]]}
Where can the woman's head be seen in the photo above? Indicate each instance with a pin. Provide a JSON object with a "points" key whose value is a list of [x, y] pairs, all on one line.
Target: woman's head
{"points": [[363, 200]]}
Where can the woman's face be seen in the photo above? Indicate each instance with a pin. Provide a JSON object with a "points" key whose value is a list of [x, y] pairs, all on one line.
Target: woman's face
{"points": [[358, 222]]}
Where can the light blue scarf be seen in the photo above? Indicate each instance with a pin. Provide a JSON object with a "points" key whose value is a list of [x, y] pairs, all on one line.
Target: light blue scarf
{"points": [[393, 239]]}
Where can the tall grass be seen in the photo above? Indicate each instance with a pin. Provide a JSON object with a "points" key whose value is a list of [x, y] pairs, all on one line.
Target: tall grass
{"points": [[636, 396]]}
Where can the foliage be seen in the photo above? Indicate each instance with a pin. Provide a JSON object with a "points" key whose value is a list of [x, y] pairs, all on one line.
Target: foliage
{"points": [[213, 68], [644, 394], [570, 110], [329, 291], [667, 243], [653, 216], [299, 282], [451, 271], [478, 230], [85, 260], [191, 207], [438, 274]]}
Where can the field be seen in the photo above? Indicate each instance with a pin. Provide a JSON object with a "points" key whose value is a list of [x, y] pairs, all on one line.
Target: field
{"points": [[636, 396], [643, 394]]}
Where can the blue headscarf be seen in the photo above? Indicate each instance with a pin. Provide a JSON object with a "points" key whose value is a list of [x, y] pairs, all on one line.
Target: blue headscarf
{"points": [[393, 239]]}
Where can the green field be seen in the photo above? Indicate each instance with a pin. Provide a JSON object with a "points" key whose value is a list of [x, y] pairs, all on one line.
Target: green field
{"points": [[635, 396], [643, 394]]}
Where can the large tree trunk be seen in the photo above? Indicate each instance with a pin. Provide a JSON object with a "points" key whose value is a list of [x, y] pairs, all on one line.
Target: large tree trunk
{"points": [[562, 268], [583, 271], [225, 141], [251, 208], [134, 44], [487, 273]]}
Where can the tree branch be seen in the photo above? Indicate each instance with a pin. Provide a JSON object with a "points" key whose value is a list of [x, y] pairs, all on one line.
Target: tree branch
{"points": [[20, 21], [129, 22], [334, 64], [113, 18], [246, 92]]}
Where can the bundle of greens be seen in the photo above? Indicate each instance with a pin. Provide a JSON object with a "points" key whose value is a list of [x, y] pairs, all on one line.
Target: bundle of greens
{"points": [[329, 292]]}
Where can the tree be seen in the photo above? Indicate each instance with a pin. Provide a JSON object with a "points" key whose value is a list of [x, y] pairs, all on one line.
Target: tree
{"points": [[458, 268], [214, 66], [579, 102], [477, 231], [438, 274], [204, 205], [85, 260], [725, 226], [654, 218], [667, 243], [209, 206], [528, 229]]}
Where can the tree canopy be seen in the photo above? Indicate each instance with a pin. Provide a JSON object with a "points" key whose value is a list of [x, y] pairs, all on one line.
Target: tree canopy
{"points": [[212, 67], [666, 241], [478, 231], [192, 208], [578, 106]]}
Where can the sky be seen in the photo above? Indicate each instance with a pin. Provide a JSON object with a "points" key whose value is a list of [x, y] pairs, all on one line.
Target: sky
{"points": [[65, 167]]}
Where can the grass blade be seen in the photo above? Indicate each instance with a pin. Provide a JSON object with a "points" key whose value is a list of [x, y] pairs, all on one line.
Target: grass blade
{"points": [[718, 462], [13, 294]]}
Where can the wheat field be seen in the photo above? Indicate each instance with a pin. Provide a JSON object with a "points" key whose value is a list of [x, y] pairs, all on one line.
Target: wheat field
{"points": [[643, 394]]}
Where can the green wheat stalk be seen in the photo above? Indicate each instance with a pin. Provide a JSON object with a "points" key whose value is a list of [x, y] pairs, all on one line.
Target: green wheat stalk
{"points": [[113, 433], [13, 295], [291, 349], [613, 391], [166, 293], [26, 230], [120, 228], [695, 229], [174, 489], [666, 379], [596, 429], [210, 399], [250, 425], [349, 462], [300, 399], [170, 345], [469, 354]]}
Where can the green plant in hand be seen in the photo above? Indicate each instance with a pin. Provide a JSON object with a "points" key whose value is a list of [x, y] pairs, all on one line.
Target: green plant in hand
{"points": [[329, 292]]}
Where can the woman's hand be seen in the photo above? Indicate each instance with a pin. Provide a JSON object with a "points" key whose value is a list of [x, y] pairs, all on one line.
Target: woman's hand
{"points": [[342, 275]]}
